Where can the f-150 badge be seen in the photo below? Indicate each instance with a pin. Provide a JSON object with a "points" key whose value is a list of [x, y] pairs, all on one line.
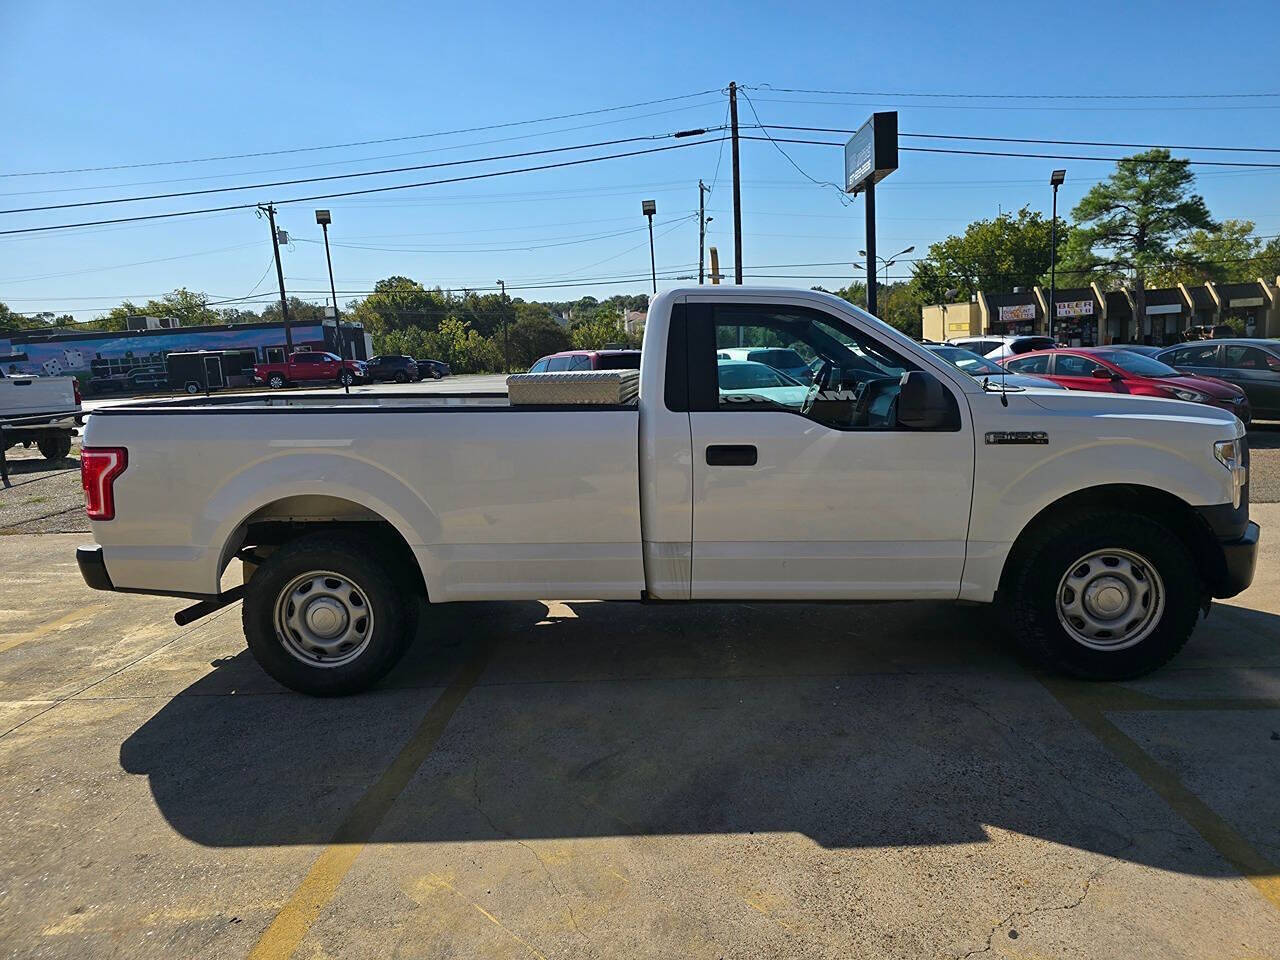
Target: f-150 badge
{"points": [[1017, 436]]}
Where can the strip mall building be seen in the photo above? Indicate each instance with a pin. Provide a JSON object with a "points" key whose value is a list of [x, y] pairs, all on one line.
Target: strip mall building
{"points": [[1090, 316]]}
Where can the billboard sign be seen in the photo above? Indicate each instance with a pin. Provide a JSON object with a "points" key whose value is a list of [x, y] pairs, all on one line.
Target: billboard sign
{"points": [[872, 153]]}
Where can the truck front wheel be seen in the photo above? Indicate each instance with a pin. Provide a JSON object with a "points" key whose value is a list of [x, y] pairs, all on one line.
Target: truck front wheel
{"points": [[1104, 595], [324, 615], [275, 381]]}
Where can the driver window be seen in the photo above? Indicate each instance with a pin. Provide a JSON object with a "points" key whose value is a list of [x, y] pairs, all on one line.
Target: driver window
{"points": [[805, 362]]}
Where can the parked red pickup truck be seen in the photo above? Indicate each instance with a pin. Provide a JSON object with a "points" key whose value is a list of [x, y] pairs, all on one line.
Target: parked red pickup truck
{"points": [[308, 366]]}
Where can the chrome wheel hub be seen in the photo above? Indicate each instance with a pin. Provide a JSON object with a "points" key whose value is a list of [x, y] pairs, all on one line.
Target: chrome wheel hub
{"points": [[323, 619], [1110, 599]]}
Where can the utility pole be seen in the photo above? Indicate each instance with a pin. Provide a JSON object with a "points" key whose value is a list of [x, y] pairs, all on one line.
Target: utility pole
{"points": [[737, 186], [702, 229], [284, 302], [506, 348]]}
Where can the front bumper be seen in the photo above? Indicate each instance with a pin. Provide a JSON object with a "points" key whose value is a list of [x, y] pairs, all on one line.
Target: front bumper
{"points": [[92, 567], [1240, 557]]}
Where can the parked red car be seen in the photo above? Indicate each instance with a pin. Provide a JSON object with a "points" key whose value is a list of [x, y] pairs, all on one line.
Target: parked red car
{"points": [[1111, 370], [588, 360], [314, 366]]}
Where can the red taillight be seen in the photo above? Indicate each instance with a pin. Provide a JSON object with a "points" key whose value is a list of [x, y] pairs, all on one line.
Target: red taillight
{"points": [[99, 467], [75, 390]]}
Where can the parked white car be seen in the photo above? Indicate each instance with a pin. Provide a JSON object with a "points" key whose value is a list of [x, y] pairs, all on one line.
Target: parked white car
{"points": [[1103, 524], [980, 368], [995, 347]]}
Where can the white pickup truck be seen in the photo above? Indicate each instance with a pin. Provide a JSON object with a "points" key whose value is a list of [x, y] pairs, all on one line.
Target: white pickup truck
{"points": [[1102, 523], [39, 410]]}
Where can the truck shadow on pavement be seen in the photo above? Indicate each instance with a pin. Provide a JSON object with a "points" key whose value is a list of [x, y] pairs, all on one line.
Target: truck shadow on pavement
{"points": [[857, 726]]}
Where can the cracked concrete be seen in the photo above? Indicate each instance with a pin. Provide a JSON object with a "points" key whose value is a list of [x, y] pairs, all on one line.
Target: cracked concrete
{"points": [[712, 781]]}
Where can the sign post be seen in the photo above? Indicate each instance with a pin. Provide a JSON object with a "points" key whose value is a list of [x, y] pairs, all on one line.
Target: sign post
{"points": [[871, 155]]}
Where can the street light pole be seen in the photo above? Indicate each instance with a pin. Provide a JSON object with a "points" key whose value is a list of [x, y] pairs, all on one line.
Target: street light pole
{"points": [[871, 272], [506, 347], [324, 219], [649, 208], [1056, 180]]}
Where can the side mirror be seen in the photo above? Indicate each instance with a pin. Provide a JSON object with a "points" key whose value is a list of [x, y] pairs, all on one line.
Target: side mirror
{"points": [[1102, 373], [925, 404]]}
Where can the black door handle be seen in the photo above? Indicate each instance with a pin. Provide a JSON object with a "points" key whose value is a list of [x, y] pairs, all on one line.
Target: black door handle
{"points": [[731, 455]]}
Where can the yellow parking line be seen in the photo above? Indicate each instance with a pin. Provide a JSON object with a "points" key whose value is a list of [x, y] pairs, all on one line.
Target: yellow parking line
{"points": [[9, 641], [295, 918], [1087, 707]]}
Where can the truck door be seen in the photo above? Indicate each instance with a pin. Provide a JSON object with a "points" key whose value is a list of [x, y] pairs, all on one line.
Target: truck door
{"points": [[812, 490]]}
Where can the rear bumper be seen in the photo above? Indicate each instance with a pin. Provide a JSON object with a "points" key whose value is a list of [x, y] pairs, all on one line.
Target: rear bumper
{"points": [[1240, 557], [92, 567]]}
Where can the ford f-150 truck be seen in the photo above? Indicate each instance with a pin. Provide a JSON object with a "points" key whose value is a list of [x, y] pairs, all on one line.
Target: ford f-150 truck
{"points": [[308, 366], [1103, 524]]}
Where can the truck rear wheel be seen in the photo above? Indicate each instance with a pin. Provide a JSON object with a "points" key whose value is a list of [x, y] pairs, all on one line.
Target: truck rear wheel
{"points": [[325, 616], [55, 448], [1104, 595]]}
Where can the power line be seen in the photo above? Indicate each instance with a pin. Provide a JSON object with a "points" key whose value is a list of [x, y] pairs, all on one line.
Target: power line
{"points": [[349, 176], [1022, 96], [364, 143], [353, 193], [804, 173], [1069, 143], [1039, 156]]}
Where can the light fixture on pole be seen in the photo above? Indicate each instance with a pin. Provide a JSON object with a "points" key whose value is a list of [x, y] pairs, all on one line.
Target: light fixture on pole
{"points": [[324, 219], [1056, 180], [887, 263], [506, 350], [649, 208]]}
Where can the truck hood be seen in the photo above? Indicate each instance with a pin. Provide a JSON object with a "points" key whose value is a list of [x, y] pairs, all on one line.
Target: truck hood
{"points": [[1116, 406]]}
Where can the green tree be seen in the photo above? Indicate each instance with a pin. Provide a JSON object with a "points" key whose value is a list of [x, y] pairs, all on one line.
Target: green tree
{"points": [[1132, 221], [1230, 254], [532, 337], [1011, 250], [396, 303], [599, 330], [898, 303], [300, 311]]}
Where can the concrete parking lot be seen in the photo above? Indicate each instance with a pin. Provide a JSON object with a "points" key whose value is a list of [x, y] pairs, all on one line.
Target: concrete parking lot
{"points": [[557, 779]]}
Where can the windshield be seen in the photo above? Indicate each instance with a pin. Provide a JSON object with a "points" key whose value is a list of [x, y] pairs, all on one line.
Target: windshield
{"points": [[745, 375], [969, 362], [1137, 363]]}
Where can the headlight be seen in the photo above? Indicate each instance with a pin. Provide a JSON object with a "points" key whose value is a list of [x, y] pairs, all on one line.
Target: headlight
{"points": [[1190, 395], [1228, 453]]}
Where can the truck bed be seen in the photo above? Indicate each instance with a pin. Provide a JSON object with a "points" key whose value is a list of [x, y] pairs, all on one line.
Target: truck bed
{"points": [[506, 502]]}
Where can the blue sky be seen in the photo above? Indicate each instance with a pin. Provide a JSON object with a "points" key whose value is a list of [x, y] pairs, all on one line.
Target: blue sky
{"points": [[96, 85]]}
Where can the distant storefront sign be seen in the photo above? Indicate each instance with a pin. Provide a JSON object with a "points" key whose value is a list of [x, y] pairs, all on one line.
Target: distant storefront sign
{"points": [[1018, 311], [1164, 308], [1075, 308], [1245, 302]]}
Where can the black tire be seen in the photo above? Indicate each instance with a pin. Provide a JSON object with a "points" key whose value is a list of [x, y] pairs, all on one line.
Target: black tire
{"points": [[275, 381], [345, 378], [380, 591], [1041, 567], [402, 377], [437, 375], [192, 387], [55, 448]]}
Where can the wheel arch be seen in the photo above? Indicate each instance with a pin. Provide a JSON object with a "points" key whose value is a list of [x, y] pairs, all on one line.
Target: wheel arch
{"points": [[289, 518], [1159, 505]]}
